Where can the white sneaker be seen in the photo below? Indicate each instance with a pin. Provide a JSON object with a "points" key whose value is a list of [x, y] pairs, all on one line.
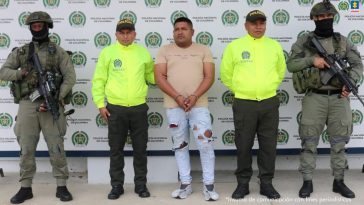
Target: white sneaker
{"points": [[210, 195], [182, 193]]}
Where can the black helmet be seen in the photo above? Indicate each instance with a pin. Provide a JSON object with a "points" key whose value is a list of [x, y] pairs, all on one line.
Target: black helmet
{"points": [[39, 16], [323, 7]]}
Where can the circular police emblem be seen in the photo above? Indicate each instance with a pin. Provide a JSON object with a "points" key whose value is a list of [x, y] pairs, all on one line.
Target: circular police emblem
{"points": [[286, 55], [6, 121], [155, 120], [325, 137], [177, 14], [153, 3], [255, 3], [4, 84], [228, 138], [117, 65], [4, 4], [343, 6], [51, 4], [357, 117], [102, 3], [55, 38], [4, 41], [283, 97], [153, 40], [211, 118], [79, 59], [356, 37], [152, 86], [102, 40], [245, 55], [230, 18], [280, 17], [305, 2], [79, 99], [100, 122], [336, 19], [228, 98], [204, 3], [361, 79], [80, 139], [282, 137], [299, 117], [129, 15], [204, 38], [304, 32], [22, 18], [77, 19]]}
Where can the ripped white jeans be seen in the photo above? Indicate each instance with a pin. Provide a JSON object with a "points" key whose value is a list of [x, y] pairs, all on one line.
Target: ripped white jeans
{"points": [[199, 120]]}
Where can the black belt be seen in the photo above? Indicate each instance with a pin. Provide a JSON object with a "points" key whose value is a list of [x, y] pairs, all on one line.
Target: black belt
{"points": [[326, 92]]}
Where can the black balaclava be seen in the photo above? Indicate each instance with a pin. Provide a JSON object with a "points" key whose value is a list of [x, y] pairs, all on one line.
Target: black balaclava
{"points": [[324, 27], [42, 35]]}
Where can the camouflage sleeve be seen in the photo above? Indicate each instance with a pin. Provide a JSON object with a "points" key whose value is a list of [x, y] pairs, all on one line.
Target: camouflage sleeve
{"points": [[9, 70], [354, 60], [68, 72], [297, 59]]}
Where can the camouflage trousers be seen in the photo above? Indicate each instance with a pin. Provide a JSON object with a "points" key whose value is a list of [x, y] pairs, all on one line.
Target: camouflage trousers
{"points": [[28, 125], [319, 110]]}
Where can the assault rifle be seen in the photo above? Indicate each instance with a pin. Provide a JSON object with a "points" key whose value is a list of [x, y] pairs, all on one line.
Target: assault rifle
{"points": [[46, 87], [337, 67]]}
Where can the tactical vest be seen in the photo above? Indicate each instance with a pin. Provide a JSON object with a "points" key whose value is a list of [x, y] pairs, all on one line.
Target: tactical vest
{"points": [[23, 88], [309, 78]]}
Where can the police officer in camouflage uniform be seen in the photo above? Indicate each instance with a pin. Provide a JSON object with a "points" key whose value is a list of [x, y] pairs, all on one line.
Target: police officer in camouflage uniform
{"points": [[33, 116], [324, 104]]}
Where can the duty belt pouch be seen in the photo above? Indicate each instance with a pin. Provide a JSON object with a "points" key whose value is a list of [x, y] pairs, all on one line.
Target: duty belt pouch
{"points": [[313, 79]]}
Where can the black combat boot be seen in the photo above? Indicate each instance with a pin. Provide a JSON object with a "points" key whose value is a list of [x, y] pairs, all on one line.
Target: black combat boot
{"points": [[241, 190], [339, 187], [142, 191], [306, 189], [115, 192], [23, 194], [63, 194], [268, 190]]}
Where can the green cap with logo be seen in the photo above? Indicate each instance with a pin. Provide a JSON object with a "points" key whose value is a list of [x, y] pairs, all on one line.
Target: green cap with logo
{"points": [[125, 24], [324, 7], [40, 16], [255, 15]]}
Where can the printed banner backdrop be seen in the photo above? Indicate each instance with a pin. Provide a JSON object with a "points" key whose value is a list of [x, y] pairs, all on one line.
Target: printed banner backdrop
{"points": [[85, 27]]}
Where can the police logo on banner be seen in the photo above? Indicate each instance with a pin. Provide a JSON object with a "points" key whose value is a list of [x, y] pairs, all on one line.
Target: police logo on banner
{"points": [[153, 3], [4, 41], [304, 32], [6, 121], [4, 84], [280, 17], [343, 6], [152, 86], [230, 18], [102, 40], [177, 14], [22, 18], [336, 19], [79, 99], [305, 2], [79, 59], [283, 97], [299, 117], [77, 19], [102, 3], [228, 138], [51, 4], [129, 15], [211, 118], [80, 139], [357, 117], [204, 3], [4, 4], [227, 98], [255, 3], [282, 137], [286, 55], [325, 137], [100, 121], [356, 37], [153, 40], [204, 38], [155, 120], [55, 38]]}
